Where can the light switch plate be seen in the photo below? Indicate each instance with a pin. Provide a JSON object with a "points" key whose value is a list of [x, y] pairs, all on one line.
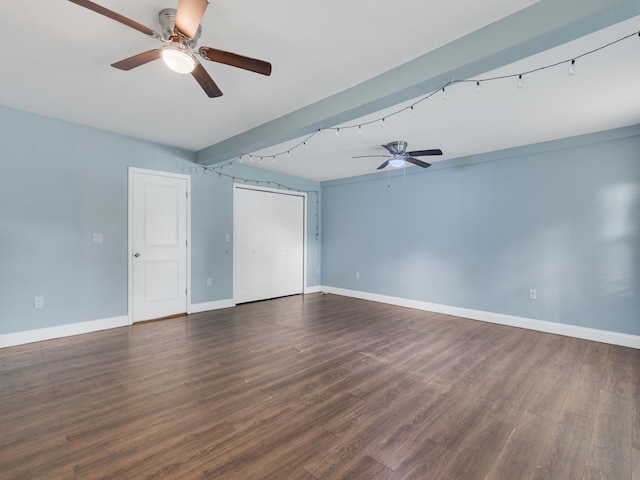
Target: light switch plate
{"points": [[97, 238]]}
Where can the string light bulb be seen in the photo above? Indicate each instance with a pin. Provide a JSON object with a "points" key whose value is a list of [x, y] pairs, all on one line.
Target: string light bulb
{"points": [[572, 68], [478, 87], [359, 129], [383, 123], [444, 93], [520, 82], [337, 132]]}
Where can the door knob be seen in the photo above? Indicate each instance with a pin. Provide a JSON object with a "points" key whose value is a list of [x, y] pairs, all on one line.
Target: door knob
{"points": [[136, 254]]}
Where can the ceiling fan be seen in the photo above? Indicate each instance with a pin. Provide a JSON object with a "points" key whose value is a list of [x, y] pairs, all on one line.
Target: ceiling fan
{"points": [[180, 33], [399, 155]]}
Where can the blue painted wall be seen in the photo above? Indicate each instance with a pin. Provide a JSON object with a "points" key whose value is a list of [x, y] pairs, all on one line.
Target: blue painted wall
{"points": [[59, 184], [561, 217]]}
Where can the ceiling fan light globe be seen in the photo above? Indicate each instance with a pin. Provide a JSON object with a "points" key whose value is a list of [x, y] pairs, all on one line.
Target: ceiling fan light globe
{"points": [[178, 60], [396, 162]]}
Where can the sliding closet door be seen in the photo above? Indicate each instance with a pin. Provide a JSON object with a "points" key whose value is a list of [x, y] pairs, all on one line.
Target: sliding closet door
{"points": [[268, 259]]}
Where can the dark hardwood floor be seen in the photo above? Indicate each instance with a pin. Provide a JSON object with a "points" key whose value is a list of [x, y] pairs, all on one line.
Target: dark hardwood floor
{"points": [[319, 387]]}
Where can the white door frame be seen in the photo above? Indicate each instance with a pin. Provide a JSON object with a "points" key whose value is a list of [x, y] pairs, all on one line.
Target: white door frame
{"points": [[132, 171], [304, 232]]}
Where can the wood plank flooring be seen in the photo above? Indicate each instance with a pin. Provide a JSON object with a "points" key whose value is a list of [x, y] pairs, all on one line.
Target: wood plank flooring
{"points": [[319, 387]]}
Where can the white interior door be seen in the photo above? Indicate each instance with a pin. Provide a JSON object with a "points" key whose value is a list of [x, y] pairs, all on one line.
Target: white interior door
{"points": [[268, 244], [159, 211]]}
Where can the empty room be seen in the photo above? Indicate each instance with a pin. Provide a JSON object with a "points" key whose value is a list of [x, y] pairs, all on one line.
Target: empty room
{"points": [[320, 241]]}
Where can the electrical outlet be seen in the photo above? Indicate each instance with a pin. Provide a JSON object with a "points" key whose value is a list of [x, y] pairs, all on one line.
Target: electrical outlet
{"points": [[357, 275], [38, 302], [97, 238], [209, 282], [533, 294]]}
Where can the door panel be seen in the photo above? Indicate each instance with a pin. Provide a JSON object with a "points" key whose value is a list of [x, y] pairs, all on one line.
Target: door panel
{"points": [[161, 281]]}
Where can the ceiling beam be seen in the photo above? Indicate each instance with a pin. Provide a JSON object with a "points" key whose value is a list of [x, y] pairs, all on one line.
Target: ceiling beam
{"points": [[542, 26]]}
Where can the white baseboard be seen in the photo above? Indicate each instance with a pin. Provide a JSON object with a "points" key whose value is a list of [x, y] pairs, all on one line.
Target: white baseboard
{"points": [[603, 336], [315, 289], [40, 334], [206, 306], [60, 331]]}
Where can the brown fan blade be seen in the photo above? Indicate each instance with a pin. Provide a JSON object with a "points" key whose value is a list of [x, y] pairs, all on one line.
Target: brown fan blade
{"points": [[383, 165], [188, 16], [422, 153], [137, 60], [235, 60], [417, 162], [206, 82], [117, 17]]}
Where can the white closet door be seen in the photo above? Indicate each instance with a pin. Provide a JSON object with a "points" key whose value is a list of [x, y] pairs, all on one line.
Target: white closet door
{"points": [[268, 244]]}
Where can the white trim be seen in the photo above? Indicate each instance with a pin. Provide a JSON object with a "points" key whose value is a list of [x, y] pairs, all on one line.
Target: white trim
{"points": [[132, 171], [586, 333], [40, 334], [60, 331], [315, 289], [207, 306]]}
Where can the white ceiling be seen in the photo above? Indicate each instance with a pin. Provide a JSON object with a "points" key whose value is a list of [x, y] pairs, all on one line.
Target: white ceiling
{"points": [[56, 60]]}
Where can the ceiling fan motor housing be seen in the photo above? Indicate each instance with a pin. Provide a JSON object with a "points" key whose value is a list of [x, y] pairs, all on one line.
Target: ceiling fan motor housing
{"points": [[399, 146], [167, 18]]}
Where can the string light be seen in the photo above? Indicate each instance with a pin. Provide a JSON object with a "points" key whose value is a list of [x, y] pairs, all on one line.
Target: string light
{"points": [[233, 178], [443, 90]]}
